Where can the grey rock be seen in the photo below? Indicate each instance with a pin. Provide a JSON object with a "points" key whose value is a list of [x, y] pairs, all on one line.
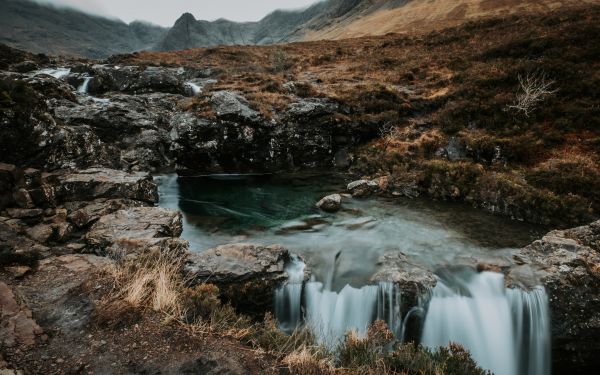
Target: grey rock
{"points": [[362, 188], [41, 232], [104, 183], [311, 107], [567, 264], [413, 280], [232, 105], [134, 224], [246, 274], [330, 203], [24, 66], [82, 214]]}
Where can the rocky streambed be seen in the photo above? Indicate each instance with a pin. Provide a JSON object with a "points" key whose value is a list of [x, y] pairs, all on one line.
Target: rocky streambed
{"points": [[79, 144]]}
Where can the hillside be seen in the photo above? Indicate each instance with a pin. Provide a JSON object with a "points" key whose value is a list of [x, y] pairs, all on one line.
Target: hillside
{"points": [[44, 29], [442, 103], [380, 17]]}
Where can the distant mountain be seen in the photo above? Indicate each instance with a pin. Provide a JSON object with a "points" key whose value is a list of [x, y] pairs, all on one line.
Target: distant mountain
{"points": [[42, 28], [45, 29], [337, 19], [274, 28]]}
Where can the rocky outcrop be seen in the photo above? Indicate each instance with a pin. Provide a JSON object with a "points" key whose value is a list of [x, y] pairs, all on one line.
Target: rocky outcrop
{"points": [[138, 80], [304, 136], [96, 183], [136, 230], [567, 263], [246, 274], [49, 213]]}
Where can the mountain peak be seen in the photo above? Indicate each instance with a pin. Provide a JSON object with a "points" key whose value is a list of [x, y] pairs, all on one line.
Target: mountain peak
{"points": [[186, 17]]}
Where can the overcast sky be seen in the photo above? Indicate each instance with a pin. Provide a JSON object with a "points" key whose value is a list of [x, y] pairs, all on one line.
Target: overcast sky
{"points": [[165, 12]]}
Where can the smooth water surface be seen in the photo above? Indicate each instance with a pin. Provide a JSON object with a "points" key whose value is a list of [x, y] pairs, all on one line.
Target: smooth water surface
{"points": [[281, 210]]}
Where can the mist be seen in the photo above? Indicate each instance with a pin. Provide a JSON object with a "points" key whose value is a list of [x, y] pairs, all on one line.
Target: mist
{"points": [[165, 13]]}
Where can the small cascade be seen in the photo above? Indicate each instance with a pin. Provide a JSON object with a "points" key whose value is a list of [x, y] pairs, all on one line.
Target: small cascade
{"points": [[83, 89], [194, 87], [331, 314], [288, 298], [531, 329], [506, 331], [57, 73]]}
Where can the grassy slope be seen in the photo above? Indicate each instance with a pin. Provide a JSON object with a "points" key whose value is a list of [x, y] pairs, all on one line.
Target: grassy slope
{"points": [[420, 16], [455, 82]]}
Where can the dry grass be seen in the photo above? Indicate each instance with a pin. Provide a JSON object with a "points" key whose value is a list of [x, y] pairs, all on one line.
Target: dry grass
{"points": [[308, 361], [152, 280]]}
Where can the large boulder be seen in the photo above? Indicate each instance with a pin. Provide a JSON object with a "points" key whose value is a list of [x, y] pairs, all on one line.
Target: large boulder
{"points": [[246, 274], [136, 230], [567, 263]]}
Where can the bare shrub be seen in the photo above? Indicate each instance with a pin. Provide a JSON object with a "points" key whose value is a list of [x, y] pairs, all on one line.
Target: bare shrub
{"points": [[533, 89], [280, 60]]}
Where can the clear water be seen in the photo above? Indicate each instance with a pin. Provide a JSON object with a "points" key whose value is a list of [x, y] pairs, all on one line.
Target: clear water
{"points": [[507, 331], [281, 210]]}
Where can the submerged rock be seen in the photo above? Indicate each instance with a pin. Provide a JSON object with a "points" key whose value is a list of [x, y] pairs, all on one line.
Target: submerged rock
{"points": [[246, 274], [331, 203]]}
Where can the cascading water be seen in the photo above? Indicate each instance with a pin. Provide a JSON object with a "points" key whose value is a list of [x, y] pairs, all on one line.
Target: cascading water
{"points": [[331, 314], [288, 298], [83, 89], [194, 87], [531, 329], [506, 331], [56, 73]]}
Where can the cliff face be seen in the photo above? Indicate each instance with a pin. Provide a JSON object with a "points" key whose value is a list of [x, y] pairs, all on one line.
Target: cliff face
{"points": [[45, 29], [276, 27]]}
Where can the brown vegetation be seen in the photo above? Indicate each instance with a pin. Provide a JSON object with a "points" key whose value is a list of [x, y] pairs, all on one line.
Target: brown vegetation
{"points": [[458, 82], [154, 285]]}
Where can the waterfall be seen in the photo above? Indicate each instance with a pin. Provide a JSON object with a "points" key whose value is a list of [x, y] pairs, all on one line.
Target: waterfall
{"points": [[531, 329], [84, 86], [506, 331], [194, 87], [56, 73], [331, 314], [288, 297]]}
